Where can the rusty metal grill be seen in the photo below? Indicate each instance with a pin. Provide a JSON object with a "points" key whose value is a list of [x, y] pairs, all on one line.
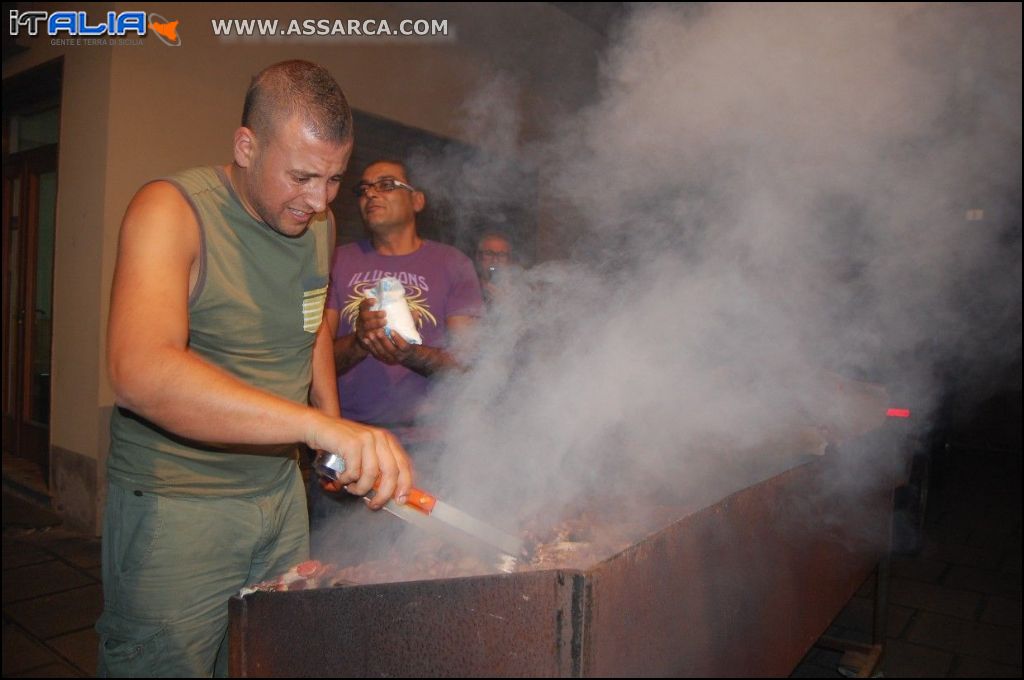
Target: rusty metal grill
{"points": [[741, 587]]}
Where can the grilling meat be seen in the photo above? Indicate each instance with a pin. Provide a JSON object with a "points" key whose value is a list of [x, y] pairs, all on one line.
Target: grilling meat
{"points": [[570, 544]]}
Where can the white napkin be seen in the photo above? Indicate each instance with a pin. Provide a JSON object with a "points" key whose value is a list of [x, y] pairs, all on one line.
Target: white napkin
{"points": [[390, 295]]}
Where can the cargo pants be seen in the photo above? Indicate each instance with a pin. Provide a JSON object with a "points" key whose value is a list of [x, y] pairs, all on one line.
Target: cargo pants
{"points": [[170, 564]]}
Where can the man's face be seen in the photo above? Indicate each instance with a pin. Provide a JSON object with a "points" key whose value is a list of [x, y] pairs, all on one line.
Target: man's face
{"points": [[386, 211], [492, 251], [293, 176]]}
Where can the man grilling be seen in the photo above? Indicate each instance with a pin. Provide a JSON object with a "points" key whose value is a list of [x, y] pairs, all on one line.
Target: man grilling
{"points": [[222, 367]]}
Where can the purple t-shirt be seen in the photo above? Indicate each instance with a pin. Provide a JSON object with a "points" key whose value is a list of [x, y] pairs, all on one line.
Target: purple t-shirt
{"points": [[440, 282]]}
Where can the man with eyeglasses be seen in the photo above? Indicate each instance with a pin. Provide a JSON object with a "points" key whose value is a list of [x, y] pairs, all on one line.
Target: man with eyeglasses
{"points": [[382, 379], [493, 256]]}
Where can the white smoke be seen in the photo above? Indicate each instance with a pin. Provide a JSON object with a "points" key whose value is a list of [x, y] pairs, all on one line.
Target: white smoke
{"points": [[760, 198], [761, 193]]}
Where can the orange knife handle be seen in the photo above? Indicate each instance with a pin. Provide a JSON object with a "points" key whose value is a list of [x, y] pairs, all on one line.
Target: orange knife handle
{"points": [[418, 499], [421, 500]]}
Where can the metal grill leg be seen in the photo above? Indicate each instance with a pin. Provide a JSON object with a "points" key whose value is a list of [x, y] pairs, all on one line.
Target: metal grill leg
{"points": [[860, 658]]}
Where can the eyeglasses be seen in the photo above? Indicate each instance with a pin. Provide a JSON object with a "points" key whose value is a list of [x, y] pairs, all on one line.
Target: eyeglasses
{"points": [[380, 186]]}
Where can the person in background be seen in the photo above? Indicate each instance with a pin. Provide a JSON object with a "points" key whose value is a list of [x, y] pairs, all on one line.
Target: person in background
{"points": [[384, 380], [493, 254], [222, 368]]}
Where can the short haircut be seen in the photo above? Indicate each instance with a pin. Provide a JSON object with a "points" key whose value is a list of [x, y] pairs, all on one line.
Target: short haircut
{"points": [[301, 88], [494, 233], [392, 161]]}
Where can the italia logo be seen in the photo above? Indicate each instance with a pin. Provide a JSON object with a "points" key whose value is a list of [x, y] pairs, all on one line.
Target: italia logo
{"points": [[77, 24]]}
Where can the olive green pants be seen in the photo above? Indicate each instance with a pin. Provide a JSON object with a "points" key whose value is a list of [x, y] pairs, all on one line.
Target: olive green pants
{"points": [[171, 563]]}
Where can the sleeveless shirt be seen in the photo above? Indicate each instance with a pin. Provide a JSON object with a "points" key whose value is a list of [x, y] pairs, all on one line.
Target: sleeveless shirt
{"points": [[254, 312]]}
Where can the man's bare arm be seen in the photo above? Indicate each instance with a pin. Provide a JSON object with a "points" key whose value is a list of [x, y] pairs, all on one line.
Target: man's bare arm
{"points": [[347, 350], [323, 392], [430, 360]]}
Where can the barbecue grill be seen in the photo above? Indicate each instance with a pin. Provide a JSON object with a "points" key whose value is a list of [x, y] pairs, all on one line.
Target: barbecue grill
{"points": [[742, 586]]}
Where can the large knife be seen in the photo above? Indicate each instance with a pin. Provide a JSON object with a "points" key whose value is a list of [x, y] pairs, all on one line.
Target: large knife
{"points": [[426, 511]]}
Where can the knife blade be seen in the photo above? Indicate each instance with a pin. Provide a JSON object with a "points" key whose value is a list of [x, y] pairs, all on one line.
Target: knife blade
{"points": [[426, 511], [433, 508]]}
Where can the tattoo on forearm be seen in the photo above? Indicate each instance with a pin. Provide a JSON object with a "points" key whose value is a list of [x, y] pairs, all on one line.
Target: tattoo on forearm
{"points": [[347, 353], [429, 360]]}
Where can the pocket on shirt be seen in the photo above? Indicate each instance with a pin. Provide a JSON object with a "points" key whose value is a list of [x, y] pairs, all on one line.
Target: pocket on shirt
{"points": [[313, 308]]}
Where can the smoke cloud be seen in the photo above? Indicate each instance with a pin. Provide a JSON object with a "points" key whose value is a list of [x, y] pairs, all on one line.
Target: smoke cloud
{"points": [[760, 194], [762, 204]]}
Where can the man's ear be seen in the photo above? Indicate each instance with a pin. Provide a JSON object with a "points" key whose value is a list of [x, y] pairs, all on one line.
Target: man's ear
{"points": [[419, 201], [245, 145]]}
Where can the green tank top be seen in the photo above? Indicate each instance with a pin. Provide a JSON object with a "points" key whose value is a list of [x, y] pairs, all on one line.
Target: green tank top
{"points": [[254, 311]]}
